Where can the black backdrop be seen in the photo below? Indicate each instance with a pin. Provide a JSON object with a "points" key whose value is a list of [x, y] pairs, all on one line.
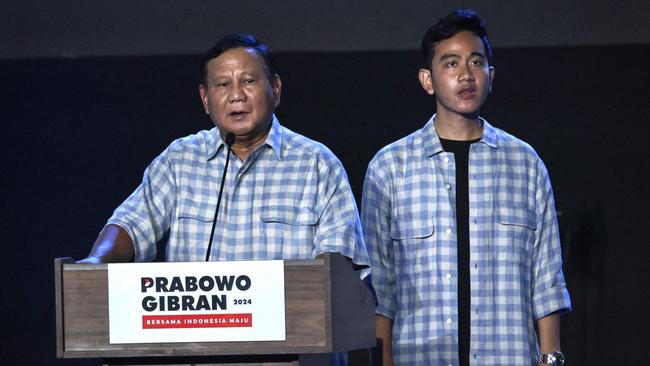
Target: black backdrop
{"points": [[78, 133]]}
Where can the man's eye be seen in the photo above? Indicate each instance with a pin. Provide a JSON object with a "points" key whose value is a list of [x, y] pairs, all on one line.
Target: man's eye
{"points": [[249, 81], [477, 62], [451, 64]]}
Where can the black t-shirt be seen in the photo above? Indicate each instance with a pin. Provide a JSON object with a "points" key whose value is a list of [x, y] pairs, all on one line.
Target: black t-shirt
{"points": [[460, 149]]}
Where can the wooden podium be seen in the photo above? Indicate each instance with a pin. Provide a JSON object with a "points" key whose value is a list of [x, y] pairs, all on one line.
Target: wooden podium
{"points": [[328, 309]]}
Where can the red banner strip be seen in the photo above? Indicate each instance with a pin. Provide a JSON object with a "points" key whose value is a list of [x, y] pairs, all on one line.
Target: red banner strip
{"points": [[197, 321]]}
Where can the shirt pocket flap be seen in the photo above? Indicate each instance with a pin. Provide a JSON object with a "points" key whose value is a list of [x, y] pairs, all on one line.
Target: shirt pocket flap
{"points": [[205, 217], [409, 227], [288, 215], [517, 216]]}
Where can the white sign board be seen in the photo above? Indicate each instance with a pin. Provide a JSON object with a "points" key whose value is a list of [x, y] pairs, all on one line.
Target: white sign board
{"points": [[196, 302]]}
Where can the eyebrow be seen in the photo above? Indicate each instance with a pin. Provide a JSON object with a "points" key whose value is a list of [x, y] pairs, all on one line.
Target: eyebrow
{"points": [[455, 55], [243, 74]]}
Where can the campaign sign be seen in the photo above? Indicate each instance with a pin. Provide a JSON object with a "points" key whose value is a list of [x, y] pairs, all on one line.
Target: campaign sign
{"points": [[196, 302]]}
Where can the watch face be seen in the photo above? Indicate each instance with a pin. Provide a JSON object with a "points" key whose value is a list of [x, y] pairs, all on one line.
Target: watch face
{"points": [[555, 358], [550, 359]]}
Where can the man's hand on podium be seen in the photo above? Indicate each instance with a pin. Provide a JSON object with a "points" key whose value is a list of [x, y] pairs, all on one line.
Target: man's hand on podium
{"points": [[113, 245]]}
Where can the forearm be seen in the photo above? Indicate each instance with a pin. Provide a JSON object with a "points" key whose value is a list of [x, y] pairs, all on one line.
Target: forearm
{"points": [[384, 331], [113, 245], [548, 329]]}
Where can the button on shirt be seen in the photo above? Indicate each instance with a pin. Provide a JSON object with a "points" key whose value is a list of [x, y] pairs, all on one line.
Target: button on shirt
{"points": [[290, 199], [407, 213]]}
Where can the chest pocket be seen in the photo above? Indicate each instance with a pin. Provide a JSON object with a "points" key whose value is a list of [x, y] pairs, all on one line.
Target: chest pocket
{"points": [[516, 234], [412, 229], [288, 231], [297, 216], [191, 210], [521, 217], [411, 242], [190, 231]]}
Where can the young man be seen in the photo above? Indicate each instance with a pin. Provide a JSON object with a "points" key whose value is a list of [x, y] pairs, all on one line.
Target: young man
{"points": [[460, 224], [285, 196]]}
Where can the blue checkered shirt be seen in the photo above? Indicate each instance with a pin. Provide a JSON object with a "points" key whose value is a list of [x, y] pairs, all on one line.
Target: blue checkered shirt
{"points": [[409, 221], [290, 199]]}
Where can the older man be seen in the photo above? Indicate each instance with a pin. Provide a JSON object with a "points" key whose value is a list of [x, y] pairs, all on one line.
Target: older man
{"points": [[284, 196]]}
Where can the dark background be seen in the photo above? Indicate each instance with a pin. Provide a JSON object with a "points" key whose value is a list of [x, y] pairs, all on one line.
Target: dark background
{"points": [[78, 132]]}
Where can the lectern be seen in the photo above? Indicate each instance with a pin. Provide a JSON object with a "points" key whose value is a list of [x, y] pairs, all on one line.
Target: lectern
{"points": [[327, 309]]}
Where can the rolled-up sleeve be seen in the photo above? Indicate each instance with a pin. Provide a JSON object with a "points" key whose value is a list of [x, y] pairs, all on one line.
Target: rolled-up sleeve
{"points": [[339, 226], [550, 293], [375, 219], [146, 213]]}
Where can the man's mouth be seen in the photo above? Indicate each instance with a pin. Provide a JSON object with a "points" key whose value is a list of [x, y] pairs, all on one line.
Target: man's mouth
{"points": [[467, 92], [237, 114]]}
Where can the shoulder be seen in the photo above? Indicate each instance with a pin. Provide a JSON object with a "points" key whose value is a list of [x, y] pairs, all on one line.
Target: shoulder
{"points": [[399, 153], [511, 143], [196, 145], [299, 147], [517, 152]]}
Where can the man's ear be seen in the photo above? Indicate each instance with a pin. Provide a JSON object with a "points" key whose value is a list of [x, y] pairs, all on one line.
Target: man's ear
{"points": [[491, 77], [277, 89], [426, 81], [203, 93]]}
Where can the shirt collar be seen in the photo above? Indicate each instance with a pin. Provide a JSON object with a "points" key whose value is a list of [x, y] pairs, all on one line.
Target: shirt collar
{"points": [[214, 143], [275, 137], [489, 135], [432, 144]]}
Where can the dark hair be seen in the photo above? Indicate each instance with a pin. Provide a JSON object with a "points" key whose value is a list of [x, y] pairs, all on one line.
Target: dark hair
{"points": [[452, 23], [237, 40]]}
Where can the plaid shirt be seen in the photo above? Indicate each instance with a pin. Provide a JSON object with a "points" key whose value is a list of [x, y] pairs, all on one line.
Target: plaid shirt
{"points": [[408, 217], [290, 199]]}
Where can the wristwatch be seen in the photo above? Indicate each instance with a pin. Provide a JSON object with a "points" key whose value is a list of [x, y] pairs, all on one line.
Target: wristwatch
{"points": [[554, 359]]}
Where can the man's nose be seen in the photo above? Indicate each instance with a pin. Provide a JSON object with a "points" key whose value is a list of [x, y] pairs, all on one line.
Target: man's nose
{"points": [[465, 73], [236, 93]]}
